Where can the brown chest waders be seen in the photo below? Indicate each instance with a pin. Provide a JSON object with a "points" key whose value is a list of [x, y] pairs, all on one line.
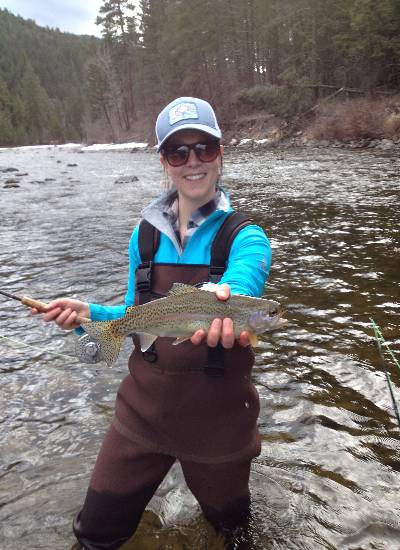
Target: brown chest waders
{"points": [[193, 402], [184, 402]]}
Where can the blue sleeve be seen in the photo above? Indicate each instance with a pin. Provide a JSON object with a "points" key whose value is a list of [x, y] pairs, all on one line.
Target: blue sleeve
{"points": [[249, 262], [107, 313]]}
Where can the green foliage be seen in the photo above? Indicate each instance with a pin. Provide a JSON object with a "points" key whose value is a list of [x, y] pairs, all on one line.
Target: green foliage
{"points": [[283, 56], [279, 100], [41, 82]]}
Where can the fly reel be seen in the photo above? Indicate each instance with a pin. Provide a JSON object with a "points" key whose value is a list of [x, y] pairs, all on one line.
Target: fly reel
{"points": [[88, 350]]}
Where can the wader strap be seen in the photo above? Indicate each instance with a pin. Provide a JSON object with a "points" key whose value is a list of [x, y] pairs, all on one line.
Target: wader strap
{"points": [[220, 250], [149, 240], [222, 243], [215, 361]]}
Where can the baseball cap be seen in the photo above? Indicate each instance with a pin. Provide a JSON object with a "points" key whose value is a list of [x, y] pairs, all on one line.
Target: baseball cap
{"points": [[186, 113]]}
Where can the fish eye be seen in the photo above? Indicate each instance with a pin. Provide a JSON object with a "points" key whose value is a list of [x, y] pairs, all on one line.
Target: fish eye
{"points": [[273, 312]]}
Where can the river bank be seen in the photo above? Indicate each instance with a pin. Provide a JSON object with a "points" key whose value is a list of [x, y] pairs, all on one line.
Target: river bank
{"points": [[14, 178]]}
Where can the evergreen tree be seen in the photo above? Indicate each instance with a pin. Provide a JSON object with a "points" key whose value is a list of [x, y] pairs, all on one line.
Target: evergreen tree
{"points": [[7, 135], [119, 31]]}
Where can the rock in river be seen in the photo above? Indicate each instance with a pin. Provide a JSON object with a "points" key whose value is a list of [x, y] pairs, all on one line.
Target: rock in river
{"points": [[126, 179], [9, 169], [10, 185]]}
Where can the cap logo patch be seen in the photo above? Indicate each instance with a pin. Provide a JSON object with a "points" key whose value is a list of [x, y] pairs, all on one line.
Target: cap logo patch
{"points": [[182, 111]]}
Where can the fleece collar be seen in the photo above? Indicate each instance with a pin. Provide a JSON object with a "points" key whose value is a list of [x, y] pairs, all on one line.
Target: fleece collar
{"points": [[159, 213]]}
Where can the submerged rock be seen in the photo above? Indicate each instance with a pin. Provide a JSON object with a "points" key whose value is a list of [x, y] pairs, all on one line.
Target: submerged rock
{"points": [[126, 179], [385, 145], [8, 169], [10, 185]]}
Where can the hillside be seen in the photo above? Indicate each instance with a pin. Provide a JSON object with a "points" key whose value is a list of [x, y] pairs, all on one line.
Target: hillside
{"points": [[42, 83]]}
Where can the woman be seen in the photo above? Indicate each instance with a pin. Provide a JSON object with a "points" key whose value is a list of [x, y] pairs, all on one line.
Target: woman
{"points": [[171, 405]]}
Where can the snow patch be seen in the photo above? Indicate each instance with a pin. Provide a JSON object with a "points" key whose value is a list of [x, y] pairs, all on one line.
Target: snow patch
{"points": [[114, 146]]}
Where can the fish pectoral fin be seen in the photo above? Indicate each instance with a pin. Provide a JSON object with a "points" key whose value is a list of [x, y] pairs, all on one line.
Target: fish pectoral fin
{"points": [[181, 339], [253, 339], [146, 340]]}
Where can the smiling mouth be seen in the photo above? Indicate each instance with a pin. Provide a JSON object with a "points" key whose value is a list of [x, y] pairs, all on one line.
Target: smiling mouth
{"points": [[194, 177]]}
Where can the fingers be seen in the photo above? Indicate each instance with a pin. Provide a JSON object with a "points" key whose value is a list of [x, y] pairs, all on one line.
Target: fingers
{"points": [[227, 336], [214, 333], [198, 337], [61, 312], [223, 292], [66, 319], [221, 330], [213, 336], [244, 339]]}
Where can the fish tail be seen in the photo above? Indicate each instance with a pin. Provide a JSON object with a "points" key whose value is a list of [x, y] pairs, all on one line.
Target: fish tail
{"points": [[103, 334]]}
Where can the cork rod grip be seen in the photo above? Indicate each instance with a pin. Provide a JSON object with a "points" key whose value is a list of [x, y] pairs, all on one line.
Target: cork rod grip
{"points": [[30, 302]]}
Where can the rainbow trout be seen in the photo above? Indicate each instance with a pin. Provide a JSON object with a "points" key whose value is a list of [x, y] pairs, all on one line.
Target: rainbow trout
{"points": [[185, 310]]}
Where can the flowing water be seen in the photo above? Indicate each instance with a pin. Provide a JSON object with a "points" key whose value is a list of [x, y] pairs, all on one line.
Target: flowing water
{"points": [[329, 472]]}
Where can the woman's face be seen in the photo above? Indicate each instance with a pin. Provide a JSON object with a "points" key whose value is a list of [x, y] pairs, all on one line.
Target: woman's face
{"points": [[195, 181]]}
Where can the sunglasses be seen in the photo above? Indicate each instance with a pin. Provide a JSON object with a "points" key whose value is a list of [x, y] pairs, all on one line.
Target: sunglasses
{"points": [[178, 155]]}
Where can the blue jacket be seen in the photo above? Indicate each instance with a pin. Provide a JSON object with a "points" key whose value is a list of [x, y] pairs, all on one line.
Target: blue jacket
{"points": [[248, 264]]}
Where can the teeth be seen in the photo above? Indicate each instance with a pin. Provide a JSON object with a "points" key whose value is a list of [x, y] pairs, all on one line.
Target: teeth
{"points": [[194, 177]]}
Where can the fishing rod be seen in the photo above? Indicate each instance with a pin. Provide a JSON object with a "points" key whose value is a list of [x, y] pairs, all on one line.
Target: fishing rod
{"points": [[86, 349], [40, 306], [380, 341]]}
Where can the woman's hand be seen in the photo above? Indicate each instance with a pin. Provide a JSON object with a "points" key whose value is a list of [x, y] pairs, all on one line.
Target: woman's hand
{"points": [[221, 329], [64, 312]]}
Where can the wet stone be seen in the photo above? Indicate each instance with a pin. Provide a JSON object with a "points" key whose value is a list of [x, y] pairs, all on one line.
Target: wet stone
{"points": [[9, 169], [126, 179], [10, 185]]}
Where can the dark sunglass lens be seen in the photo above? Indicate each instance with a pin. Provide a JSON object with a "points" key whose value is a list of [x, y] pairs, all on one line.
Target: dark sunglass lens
{"points": [[177, 156], [207, 152]]}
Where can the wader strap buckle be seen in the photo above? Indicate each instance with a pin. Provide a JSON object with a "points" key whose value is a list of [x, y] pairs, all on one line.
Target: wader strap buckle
{"points": [[150, 355], [143, 277], [215, 362]]}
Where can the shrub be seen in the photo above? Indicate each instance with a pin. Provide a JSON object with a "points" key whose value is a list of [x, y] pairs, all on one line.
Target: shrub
{"points": [[354, 119], [279, 100], [391, 125]]}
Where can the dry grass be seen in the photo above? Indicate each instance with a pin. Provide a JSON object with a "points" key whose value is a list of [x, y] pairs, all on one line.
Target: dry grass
{"points": [[357, 119]]}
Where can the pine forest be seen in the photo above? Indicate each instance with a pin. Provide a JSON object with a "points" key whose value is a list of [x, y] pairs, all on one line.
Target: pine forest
{"points": [[277, 56]]}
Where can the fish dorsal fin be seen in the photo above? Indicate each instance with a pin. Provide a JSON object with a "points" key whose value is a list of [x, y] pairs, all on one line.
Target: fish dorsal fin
{"points": [[181, 288]]}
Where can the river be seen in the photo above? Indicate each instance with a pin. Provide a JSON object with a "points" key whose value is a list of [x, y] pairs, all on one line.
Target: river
{"points": [[329, 473]]}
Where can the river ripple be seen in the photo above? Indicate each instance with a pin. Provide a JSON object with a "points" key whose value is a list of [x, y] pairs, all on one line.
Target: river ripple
{"points": [[328, 475]]}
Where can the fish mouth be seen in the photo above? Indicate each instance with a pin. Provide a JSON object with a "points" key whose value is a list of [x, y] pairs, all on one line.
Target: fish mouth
{"points": [[279, 321]]}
